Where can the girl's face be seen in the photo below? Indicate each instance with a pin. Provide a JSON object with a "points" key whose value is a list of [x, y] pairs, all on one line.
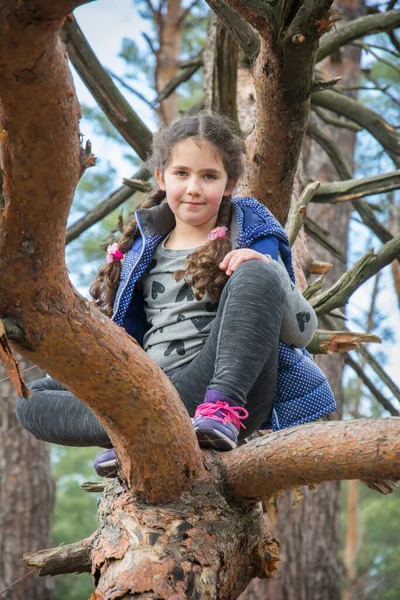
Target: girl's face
{"points": [[195, 181]]}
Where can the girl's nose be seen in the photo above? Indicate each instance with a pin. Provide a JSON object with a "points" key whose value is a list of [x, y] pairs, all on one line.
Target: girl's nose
{"points": [[193, 187]]}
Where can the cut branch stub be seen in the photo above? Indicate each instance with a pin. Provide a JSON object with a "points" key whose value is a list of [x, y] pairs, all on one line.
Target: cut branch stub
{"points": [[326, 342]]}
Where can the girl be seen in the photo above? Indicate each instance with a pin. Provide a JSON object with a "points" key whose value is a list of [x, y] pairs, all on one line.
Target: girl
{"points": [[206, 286]]}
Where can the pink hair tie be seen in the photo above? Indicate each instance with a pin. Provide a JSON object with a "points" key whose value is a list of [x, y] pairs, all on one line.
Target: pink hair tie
{"points": [[218, 232], [113, 253]]}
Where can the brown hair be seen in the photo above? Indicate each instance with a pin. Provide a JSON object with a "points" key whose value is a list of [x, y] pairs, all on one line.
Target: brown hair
{"points": [[202, 270]]}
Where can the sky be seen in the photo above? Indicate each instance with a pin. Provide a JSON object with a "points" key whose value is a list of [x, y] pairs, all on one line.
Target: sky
{"points": [[105, 24]]}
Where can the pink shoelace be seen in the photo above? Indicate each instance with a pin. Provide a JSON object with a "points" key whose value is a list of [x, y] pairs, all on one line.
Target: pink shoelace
{"points": [[230, 414]]}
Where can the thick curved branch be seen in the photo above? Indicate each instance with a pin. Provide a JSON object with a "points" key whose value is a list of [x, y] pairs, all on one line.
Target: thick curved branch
{"points": [[360, 272], [48, 9], [313, 454], [41, 163], [356, 29], [386, 135], [100, 84]]}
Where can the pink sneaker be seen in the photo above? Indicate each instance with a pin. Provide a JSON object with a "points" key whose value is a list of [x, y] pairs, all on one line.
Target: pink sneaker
{"points": [[217, 423]]}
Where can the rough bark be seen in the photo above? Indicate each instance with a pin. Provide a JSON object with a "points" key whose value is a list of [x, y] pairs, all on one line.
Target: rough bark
{"points": [[26, 497], [270, 465]]}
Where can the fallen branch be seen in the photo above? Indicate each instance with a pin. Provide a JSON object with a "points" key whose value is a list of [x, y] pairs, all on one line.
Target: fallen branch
{"points": [[367, 266], [313, 454]]}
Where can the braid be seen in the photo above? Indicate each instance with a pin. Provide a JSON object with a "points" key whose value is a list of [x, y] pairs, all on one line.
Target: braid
{"points": [[202, 271], [105, 286]]}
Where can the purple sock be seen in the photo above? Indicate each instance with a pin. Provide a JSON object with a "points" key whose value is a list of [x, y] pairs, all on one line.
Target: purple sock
{"points": [[213, 395]]}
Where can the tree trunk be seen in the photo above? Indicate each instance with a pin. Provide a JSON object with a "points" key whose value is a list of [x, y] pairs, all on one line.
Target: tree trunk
{"points": [[319, 577], [167, 57], [220, 58], [26, 498]]}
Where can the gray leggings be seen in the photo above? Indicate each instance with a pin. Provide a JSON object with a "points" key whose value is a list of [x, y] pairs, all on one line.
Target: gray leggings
{"points": [[239, 358]]}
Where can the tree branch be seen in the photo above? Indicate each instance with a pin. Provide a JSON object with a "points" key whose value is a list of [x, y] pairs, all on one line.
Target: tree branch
{"points": [[104, 208], [356, 29], [335, 121], [373, 363], [41, 162], [345, 191], [184, 75], [313, 454], [301, 209], [106, 93], [371, 386], [71, 558], [386, 135], [241, 31], [360, 272], [344, 171], [48, 9], [131, 89], [321, 237]]}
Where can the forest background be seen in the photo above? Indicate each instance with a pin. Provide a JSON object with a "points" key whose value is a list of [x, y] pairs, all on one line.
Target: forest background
{"points": [[375, 307]]}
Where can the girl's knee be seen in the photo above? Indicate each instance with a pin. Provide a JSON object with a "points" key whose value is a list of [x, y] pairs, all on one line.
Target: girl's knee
{"points": [[259, 273]]}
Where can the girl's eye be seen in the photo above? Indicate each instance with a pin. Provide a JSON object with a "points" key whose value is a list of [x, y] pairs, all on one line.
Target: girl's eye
{"points": [[208, 175], [180, 173]]}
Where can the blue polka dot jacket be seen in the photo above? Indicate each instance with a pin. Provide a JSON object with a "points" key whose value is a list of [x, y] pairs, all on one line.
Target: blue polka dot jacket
{"points": [[303, 393]]}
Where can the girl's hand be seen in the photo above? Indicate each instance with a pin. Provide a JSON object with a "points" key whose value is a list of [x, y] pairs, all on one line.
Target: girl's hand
{"points": [[235, 257]]}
